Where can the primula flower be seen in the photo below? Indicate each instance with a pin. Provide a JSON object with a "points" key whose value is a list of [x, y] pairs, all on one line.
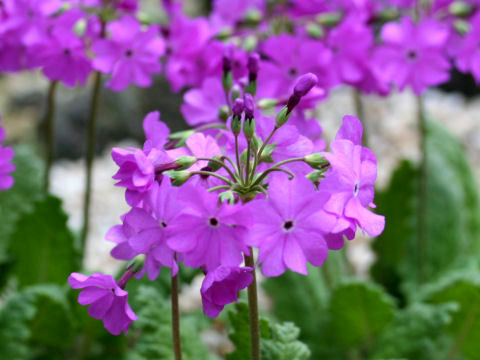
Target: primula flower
{"points": [[62, 57], [349, 182], [202, 106], [413, 54], [290, 226], [146, 230], [107, 300], [468, 55], [208, 234], [6, 155], [221, 286], [130, 55]]}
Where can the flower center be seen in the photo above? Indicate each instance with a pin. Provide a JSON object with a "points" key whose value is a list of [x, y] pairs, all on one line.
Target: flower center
{"points": [[213, 222], [67, 52], [356, 189], [288, 225], [128, 53], [292, 72], [411, 54], [164, 224]]}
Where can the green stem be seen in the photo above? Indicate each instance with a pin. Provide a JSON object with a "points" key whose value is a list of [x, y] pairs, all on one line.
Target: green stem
{"points": [[49, 133], [91, 141], [422, 192], [253, 310], [222, 164], [360, 112], [211, 126], [247, 168], [177, 347], [239, 164], [208, 173], [276, 167], [265, 143], [220, 187]]}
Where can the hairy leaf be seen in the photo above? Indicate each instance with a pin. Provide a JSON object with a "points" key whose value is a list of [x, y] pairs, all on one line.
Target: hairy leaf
{"points": [[42, 246]]}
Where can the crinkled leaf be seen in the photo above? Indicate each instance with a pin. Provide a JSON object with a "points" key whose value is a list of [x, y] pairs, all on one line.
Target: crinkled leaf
{"points": [[151, 334], [42, 246], [417, 332], [452, 215], [284, 344], [463, 289], [359, 312]]}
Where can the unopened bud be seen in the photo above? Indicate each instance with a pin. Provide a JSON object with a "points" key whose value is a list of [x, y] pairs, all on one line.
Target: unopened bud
{"points": [[80, 27], [266, 104], [316, 176], [304, 84], [249, 128], [315, 31], [282, 117], [462, 26], [316, 161], [223, 113], [253, 65], [249, 106], [214, 165], [236, 92], [185, 162], [253, 17], [227, 196], [460, 8], [329, 19], [178, 177], [238, 107], [227, 81]]}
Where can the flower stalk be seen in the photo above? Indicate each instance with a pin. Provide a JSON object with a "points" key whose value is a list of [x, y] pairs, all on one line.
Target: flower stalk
{"points": [[177, 347], [253, 309], [49, 133]]}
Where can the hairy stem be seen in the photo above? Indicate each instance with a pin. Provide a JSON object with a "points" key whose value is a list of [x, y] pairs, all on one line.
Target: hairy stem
{"points": [[247, 167], [220, 163], [91, 142], [177, 346], [208, 173], [49, 133], [421, 192], [239, 164], [253, 309]]}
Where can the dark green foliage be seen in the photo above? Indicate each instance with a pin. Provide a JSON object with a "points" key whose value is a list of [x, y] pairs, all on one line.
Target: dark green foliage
{"points": [[284, 344], [239, 331], [20, 198], [278, 341], [151, 335], [359, 312], [42, 246], [463, 289], [417, 332], [15, 317], [452, 216]]}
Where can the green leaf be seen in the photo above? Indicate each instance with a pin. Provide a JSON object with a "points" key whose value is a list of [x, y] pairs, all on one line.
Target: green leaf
{"points": [[452, 214], [284, 344], [42, 246], [151, 334], [278, 341], [239, 331], [359, 312], [463, 289], [20, 198], [417, 332], [15, 316]]}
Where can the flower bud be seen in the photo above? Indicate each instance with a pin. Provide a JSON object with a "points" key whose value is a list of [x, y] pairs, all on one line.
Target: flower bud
{"points": [[315, 31], [316, 160], [329, 19], [249, 128], [253, 65], [253, 17], [460, 8], [214, 165], [178, 177], [238, 107], [185, 162], [316, 176], [249, 106], [282, 117], [223, 113], [266, 104], [304, 84], [236, 92], [461, 26]]}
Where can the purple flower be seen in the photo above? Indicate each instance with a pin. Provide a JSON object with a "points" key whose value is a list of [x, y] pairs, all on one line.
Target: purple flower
{"points": [[349, 182], [146, 230], [208, 234], [6, 155], [106, 299], [413, 54], [131, 55], [226, 13], [290, 226], [202, 106], [468, 55], [62, 57], [221, 286]]}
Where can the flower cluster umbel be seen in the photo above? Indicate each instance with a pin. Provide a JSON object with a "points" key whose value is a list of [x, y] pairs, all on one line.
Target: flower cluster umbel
{"points": [[209, 196]]}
